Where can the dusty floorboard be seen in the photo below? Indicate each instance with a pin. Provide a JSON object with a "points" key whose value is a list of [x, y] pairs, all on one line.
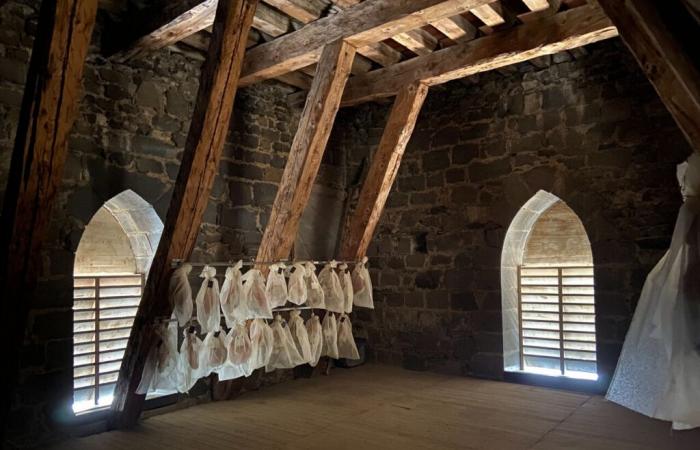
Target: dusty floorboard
{"points": [[389, 408]]}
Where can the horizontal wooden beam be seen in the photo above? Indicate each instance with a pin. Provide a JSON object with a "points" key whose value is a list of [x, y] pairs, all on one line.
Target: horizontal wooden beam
{"points": [[563, 31], [361, 25], [653, 36], [456, 28]]}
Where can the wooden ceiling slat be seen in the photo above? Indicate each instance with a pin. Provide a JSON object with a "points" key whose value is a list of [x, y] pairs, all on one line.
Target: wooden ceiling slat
{"points": [[536, 5], [457, 28], [563, 31], [364, 24], [418, 41]]}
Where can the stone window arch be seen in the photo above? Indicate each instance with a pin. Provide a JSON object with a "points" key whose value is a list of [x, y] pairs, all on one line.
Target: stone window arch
{"points": [[111, 264], [547, 292]]}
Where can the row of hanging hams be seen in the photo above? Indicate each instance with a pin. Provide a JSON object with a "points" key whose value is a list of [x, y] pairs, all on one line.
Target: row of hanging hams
{"points": [[245, 348], [249, 295]]}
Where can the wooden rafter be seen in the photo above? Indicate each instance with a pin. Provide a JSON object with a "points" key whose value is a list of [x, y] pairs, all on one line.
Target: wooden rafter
{"points": [[49, 106], [198, 169], [563, 31], [307, 150], [382, 171], [303, 11], [363, 24], [651, 30]]}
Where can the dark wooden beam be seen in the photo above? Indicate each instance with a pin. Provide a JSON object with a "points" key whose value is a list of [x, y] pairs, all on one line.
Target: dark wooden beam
{"points": [[198, 169], [307, 150], [361, 25], [49, 106], [662, 37], [563, 31], [382, 171]]}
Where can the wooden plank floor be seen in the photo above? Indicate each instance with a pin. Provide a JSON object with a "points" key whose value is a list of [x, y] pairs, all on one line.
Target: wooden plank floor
{"points": [[389, 408]]}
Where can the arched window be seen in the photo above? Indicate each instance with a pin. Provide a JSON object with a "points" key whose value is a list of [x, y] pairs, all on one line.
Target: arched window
{"points": [[547, 292], [111, 264]]}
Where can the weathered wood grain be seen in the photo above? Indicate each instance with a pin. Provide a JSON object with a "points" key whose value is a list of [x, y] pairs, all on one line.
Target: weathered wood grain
{"points": [[307, 151], [361, 25], [51, 98], [382, 171], [563, 31], [203, 148]]}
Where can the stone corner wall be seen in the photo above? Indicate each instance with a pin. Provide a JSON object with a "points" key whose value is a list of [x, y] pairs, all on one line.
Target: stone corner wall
{"points": [[590, 130]]}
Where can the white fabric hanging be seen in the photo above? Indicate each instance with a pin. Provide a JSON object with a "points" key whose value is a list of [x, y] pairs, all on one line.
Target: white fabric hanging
{"points": [[254, 304], [332, 290], [284, 352], [346, 342], [346, 285], [297, 284], [180, 293], [239, 345], [208, 310], [300, 336], [213, 353], [231, 294], [190, 368], [261, 338], [315, 334], [658, 373], [362, 285], [276, 289], [314, 292], [330, 336]]}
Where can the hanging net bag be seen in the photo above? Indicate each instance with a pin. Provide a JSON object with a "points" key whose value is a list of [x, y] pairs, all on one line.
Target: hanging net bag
{"points": [[300, 336], [346, 285], [362, 285], [180, 294], [254, 305], [261, 339], [190, 350], [346, 342], [208, 314], [276, 289], [315, 334], [330, 336], [214, 353], [231, 294], [239, 346], [297, 284], [284, 353], [314, 291], [332, 290]]}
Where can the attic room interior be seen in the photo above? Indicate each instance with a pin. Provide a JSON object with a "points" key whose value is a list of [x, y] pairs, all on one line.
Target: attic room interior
{"points": [[410, 224]]}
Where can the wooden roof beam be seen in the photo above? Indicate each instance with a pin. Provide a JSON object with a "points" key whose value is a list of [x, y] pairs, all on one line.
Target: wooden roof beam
{"points": [[563, 31], [382, 172], [363, 24], [50, 103], [198, 169], [306, 151], [657, 34], [456, 28]]}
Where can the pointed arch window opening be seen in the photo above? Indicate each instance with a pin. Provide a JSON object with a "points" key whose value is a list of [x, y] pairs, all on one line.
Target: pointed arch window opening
{"points": [[111, 266], [548, 292]]}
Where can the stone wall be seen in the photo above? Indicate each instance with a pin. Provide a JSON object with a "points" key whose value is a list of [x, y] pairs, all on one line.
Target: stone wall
{"points": [[129, 134], [590, 130]]}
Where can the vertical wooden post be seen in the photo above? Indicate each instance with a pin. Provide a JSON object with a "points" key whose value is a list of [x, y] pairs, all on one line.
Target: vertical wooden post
{"points": [[382, 171], [203, 148], [51, 98], [307, 150]]}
